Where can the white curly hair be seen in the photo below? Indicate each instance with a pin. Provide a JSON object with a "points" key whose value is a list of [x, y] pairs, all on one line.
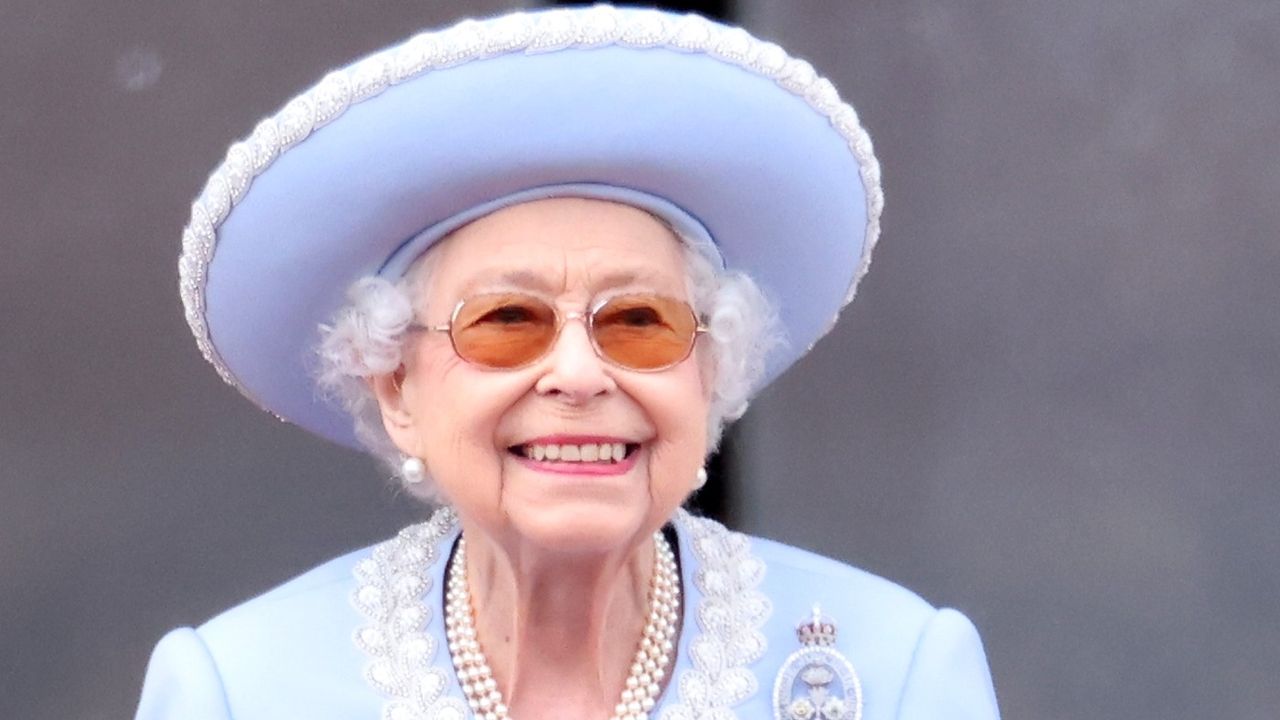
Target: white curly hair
{"points": [[367, 336]]}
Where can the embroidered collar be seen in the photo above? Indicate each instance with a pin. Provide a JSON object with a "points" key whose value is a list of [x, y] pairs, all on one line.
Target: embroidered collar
{"points": [[397, 592]]}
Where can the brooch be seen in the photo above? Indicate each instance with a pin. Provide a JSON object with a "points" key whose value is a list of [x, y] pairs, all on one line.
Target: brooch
{"points": [[817, 682]]}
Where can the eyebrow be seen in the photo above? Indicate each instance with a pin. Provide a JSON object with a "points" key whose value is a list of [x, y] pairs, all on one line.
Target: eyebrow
{"points": [[524, 279], [529, 280]]}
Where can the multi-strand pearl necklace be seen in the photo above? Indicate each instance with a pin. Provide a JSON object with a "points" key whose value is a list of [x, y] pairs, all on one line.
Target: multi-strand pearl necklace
{"points": [[644, 682]]}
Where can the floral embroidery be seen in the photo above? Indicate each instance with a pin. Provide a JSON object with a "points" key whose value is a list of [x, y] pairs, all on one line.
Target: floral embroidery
{"points": [[392, 588], [730, 616]]}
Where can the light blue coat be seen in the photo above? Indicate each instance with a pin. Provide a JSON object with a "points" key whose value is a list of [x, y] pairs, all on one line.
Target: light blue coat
{"points": [[308, 648]]}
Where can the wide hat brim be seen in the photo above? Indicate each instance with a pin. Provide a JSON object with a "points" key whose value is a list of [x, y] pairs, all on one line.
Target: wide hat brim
{"points": [[747, 141]]}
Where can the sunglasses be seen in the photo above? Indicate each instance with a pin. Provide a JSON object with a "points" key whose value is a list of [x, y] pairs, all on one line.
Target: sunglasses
{"points": [[507, 331]]}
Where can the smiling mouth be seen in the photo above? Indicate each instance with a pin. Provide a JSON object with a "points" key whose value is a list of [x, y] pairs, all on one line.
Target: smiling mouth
{"points": [[598, 453]]}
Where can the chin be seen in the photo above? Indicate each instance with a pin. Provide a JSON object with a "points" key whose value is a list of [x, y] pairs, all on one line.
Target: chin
{"points": [[582, 527]]}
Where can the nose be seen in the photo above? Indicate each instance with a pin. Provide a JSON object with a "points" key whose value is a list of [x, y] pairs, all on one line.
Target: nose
{"points": [[573, 370]]}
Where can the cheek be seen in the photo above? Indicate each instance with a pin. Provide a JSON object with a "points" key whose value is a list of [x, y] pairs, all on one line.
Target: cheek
{"points": [[693, 398], [459, 451], [679, 413], [461, 408]]}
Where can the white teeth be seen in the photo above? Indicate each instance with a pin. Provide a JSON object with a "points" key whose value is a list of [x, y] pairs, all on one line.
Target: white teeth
{"points": [[586, 452]]}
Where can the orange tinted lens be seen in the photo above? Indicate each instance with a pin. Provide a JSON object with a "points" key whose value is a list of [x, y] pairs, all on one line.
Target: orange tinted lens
{"points": [[503, 331], [645, 332]]}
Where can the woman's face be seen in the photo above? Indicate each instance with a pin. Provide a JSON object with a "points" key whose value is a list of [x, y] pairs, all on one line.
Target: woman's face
{"points": [[474, 427]]}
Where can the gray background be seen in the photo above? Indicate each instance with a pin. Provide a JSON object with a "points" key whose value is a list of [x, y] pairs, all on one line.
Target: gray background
{"points": [[1055, 404]]}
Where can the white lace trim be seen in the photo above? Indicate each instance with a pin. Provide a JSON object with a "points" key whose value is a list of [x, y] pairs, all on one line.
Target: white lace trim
{"points": [[469, 40], [730, 615], [393, 592]]}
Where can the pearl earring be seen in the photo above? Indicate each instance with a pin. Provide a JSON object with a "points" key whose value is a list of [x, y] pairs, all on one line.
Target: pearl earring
{"points": [[700, 479], [413, 471]]}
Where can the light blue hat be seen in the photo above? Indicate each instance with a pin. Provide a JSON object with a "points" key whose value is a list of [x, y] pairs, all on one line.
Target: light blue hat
{"points": [[740, 146]]}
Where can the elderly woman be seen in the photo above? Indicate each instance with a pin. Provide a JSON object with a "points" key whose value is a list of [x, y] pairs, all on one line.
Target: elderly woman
{"points": [[569, 242]]}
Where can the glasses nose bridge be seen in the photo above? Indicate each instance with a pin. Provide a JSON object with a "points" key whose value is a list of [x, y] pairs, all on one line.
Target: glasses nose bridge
{"points": [[583, 316], [573, 363]]}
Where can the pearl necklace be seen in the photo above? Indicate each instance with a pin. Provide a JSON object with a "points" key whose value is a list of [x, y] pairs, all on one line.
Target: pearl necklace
{"points": [[644, 682]]}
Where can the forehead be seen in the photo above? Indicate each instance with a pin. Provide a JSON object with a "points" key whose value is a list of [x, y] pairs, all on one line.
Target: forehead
{"points": [[559, 245]]}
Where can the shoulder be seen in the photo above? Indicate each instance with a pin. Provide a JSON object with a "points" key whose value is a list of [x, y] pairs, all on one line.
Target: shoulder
{"points": [[913, 660], [317, 594], [289, 652], [286, 638], [878, 622], [836, 585]]}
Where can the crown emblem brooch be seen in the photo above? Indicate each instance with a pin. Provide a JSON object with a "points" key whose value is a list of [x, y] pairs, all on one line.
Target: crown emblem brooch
{"points": [[817, 682]]}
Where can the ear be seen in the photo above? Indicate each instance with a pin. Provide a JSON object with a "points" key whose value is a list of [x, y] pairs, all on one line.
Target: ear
{"points": [[397, 418]]}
